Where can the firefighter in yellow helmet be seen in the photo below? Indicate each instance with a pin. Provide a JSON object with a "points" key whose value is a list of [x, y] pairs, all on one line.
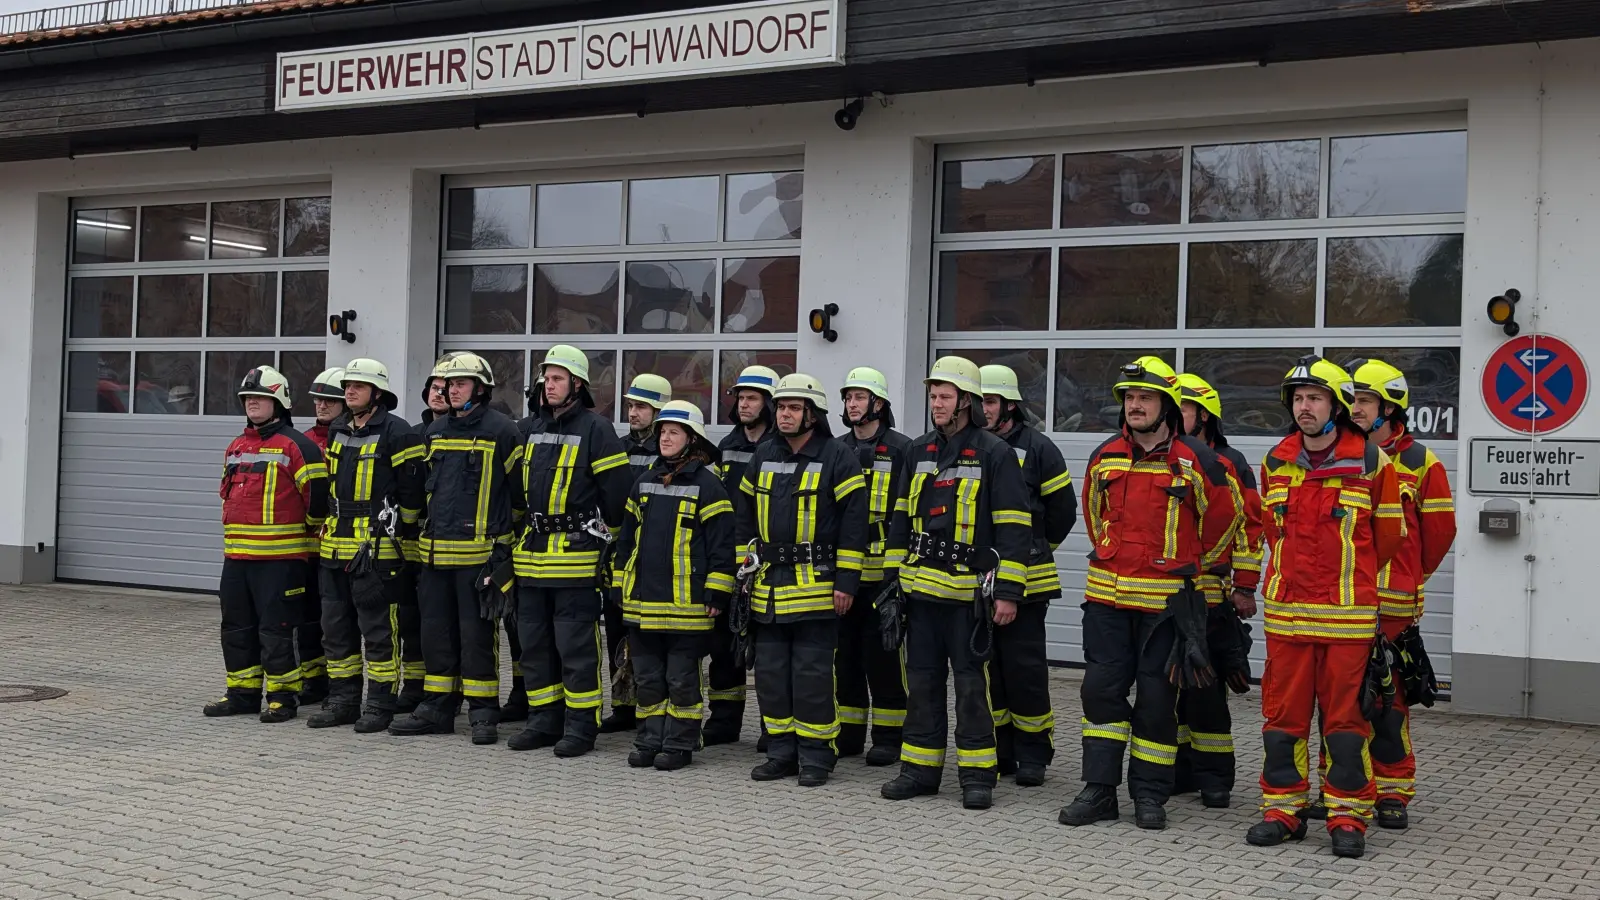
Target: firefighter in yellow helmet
{"points": [[327, 401]]}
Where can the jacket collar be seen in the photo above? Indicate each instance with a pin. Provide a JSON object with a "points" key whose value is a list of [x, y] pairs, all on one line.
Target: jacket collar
{"points": [[1350, 446], [811, 449], [1399, 441], [270, 429], [470, 420]]}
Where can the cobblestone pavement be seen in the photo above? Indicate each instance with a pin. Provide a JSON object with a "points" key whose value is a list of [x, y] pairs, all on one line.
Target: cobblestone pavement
{"points": [[122, 789]]}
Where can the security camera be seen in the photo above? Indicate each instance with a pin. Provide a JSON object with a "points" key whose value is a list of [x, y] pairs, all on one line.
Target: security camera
{"points": [[846, 118]]}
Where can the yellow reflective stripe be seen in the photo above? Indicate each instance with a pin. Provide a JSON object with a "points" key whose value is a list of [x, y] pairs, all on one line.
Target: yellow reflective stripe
{"points": [[544, 696], [778, 726], [1210, 742], [1014, 572], [289, 529], [691, 713], [651, 709], [608, 463], [308, 472], [986, 758], [1152, 752], [441, 684], [406, 454], [824, 732], [682, 560], [852, 715], [269, 495], [746, 487], [1111, 731], [712, 510], [347, 667], [288, 681], [849, 560], [731, 695], [889, 718], [480, 687], [1013, 517], [582, 699], [1445, 505], [1001, 717], [245, 678], [1034, 724], [921, 756], [1064, 480], [719, 581], [848, 486]]}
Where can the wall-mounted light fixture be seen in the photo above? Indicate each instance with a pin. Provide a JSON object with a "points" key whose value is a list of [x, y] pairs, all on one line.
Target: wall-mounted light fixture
{"points": [[822, 321], [1503, 311], [340, 325]]}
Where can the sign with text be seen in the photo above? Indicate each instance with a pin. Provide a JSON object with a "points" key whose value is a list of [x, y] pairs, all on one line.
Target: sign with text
{"points": [[780, 34], [1544, 468]]}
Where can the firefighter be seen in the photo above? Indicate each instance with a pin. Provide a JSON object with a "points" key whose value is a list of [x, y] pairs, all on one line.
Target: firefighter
{"points": [[674, 574], [1019, 673], [752, 414], [872, 680], [1382, 398], [1205, 726], [1334, 521], [959, 548], [375, 490], [1160, 511], [414, 669], [327, 403], [805, 521], [472, 514], [575, 481], [274, 497]]}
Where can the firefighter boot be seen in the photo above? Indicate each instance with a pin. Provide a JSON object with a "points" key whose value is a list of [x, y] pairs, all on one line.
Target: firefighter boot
{"points": [[638, 759], [515, 709], [280, 707], [1392, 813], [1030, 774], [1348, 842], [484, 729], [570, 747], [905, 786], [1149, 814], [343, 706], [437, 716], [1272, 832], [314, 690], [1316, 811], [813, 777], [378, 714], [231, 704], [621, 719], [761, 742], [883, 754], [532, 738], [410, 697], [774, 769], [1216, 799], [1095, 803], [977, 796], [671, 760]]}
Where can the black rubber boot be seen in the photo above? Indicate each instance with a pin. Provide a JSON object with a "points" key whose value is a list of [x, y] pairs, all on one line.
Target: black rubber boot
{"points": [[813, 777], [484, 728], [977, 796], [571, 747], [1348, 842], [1392, 814], [334, 714], [1030, 775], [378, 713], [280, 708], [1006, 767], [436, 717], [1271, 833], [852, 740], [314, 690], [638, 759], [773, 769], [233, 705], [883, 755], [515, 709], [373, 721], [714, 735], [1151, 815], [761, 742], [1215, 799], [1095, 803], [1317, 811], [409, 699], [904, 787], [621, 719], [531, 738], [673, 760]]}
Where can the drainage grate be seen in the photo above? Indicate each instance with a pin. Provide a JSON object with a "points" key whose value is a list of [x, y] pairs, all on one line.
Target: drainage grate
{"points": [[18, 693]]}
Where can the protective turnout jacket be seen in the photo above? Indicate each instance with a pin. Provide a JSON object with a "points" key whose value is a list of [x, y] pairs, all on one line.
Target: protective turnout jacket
{"points": [[1330, 529], [737, 451], [968, 489], [318, 434], [412, 532], [1052, 503], [1240, 564], [1156, 519], [883, 462], [815, 496], [642, 454], [676, 549], [471, 503], [274, 493], [573, 465], [1430, 527], [377, 463]]}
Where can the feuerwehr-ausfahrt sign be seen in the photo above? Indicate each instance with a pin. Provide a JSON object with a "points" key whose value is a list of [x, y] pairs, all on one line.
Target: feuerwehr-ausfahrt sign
{"points": [[1544, 468]]}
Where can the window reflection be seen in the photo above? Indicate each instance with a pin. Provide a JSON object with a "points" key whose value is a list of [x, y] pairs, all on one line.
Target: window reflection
{"points": [[670, 297], [994, 290], [102, 307], [1398, 174], [166, 383], [1118, 287], [1394, 281], [103, 235], [672, 210], [488, 218], [1253, 284], [732, 362], [169, 233], [1248, 382], [307, 222], [486, 300], [998, 194], [169, 305], [578, 215], [1254, 182], [305, 303], [575, 298], [1032, 368], [1122, 187], [688, 370], [300, 367], [244, 229], [97, 381], [242, 304], [761, 295], [1084, 402], [764, 206]]}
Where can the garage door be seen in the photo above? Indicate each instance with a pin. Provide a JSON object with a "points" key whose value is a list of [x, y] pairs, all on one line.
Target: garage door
{"points": [[172, 299], [1229, 253]]}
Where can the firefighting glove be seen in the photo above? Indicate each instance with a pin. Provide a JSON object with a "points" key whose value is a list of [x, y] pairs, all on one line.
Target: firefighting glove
{"points": [[1377, 683], [716, 602], [1414, 669], [1189, 665], [891, 615], [361, 563], [494, 583], [1228, 638]]}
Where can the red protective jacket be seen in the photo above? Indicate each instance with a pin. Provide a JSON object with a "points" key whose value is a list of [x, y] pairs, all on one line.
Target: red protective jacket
{"points": [[1331, 528], [274, 494], [1154, 519], [1241, 561], [1430, 527], [319, 436]]}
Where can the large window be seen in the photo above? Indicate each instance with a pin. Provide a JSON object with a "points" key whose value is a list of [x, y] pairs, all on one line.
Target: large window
{"points": [[1228, 253], [171, 301], [688, 272]]}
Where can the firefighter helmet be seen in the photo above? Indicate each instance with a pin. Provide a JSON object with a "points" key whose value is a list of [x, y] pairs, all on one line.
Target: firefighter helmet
{"points": [[682, 412], [1000, 381], [463, 365], [265, 381], [1148, 373], [755, 378], [1196, 389], [959, 371], [867, 379], [370, 371], [567, 357], [329, 385], [649, 389], [802, 387], [1314, 371], [1374, 376]]}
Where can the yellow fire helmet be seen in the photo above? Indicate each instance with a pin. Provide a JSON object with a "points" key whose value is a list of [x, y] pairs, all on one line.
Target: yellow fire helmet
{"points": [[1314, 371], [867, 379], [1001, 381], [803, 387], [959, 371], [682, 412], [567, 357], [1374, 376], [1150, 373], [755, 378], [650, 389], [1193, 387], [463, 365]]}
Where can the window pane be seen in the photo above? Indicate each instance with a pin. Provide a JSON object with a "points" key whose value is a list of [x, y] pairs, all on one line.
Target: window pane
{"points": [[102, 236], [579, 215], [1398, 174], [998, 194], [1084, 402], [994, 290], [490, 218], [602, 379], [761, 295], [486, 300], [510, 380], [575, 298], [300, 367], [97, 381], [1253, 182], [242, 304], [1434, 376], [244, 229], [670, 297], [1248, 383], [1032, 368], [172, 232], [1253, 284], [166, 382], [1118, 287], [225, 371], [688, 370], [673, 210], [735, 361], [102, 307], [307, 221], [305, 304], [169, 305], [1124, 187], [1381, 281], [764, 207]]}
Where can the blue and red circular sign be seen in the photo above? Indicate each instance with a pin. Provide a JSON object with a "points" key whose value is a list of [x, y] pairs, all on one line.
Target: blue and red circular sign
{"points": [[1535, 384]]}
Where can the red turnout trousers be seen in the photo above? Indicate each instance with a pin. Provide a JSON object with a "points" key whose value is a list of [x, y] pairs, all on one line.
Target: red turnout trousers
{"points": [[1301, 677]]}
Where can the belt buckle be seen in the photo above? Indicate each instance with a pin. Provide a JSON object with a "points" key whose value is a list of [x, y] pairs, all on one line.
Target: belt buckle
{"points": [[802, 552]]}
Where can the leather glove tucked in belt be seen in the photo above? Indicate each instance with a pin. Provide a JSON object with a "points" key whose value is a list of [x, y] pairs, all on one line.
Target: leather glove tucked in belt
{"points": [[891, 615], [494, 582], [1229, 640], [1189, 664]]}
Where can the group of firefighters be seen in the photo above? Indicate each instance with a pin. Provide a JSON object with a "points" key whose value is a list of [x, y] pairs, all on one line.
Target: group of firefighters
{"points": [[370, 565]]}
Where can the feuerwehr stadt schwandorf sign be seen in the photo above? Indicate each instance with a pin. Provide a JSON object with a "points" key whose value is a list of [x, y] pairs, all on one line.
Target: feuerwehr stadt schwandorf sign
{"points": [[779, 34]]}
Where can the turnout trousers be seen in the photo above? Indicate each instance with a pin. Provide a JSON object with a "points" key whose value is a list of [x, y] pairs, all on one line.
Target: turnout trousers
{"points": [[939, 644], [666, 673], [616, 636], [1205, 740], [794, 684], [459, 647], [308, 633], [872, 680], [1300, 678], [262, 601], [354, 614], [1394, 765], [1127, 649], [413, 670], [725, 676], [1019, 689], [560, 637]]}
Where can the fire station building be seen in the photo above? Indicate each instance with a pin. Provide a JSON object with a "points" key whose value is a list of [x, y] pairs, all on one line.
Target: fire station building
{"points": [[1059, 186]]}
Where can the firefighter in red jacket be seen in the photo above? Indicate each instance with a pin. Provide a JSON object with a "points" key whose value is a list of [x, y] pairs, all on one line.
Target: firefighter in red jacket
{"points": [[1160, 512], [1205, 726], [327, 401], [1382, 397], [1333, 521], [274, 497]]}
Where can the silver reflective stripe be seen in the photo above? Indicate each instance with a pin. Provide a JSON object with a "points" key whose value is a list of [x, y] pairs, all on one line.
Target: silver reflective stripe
{"points": [[926, 467], [737, 456], [348, 440], [883, 465], [814, 468], [252, 458], [975, 472], [1022, 454], [670, 490], [545, 437], [642, 461], [780, 468]]}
